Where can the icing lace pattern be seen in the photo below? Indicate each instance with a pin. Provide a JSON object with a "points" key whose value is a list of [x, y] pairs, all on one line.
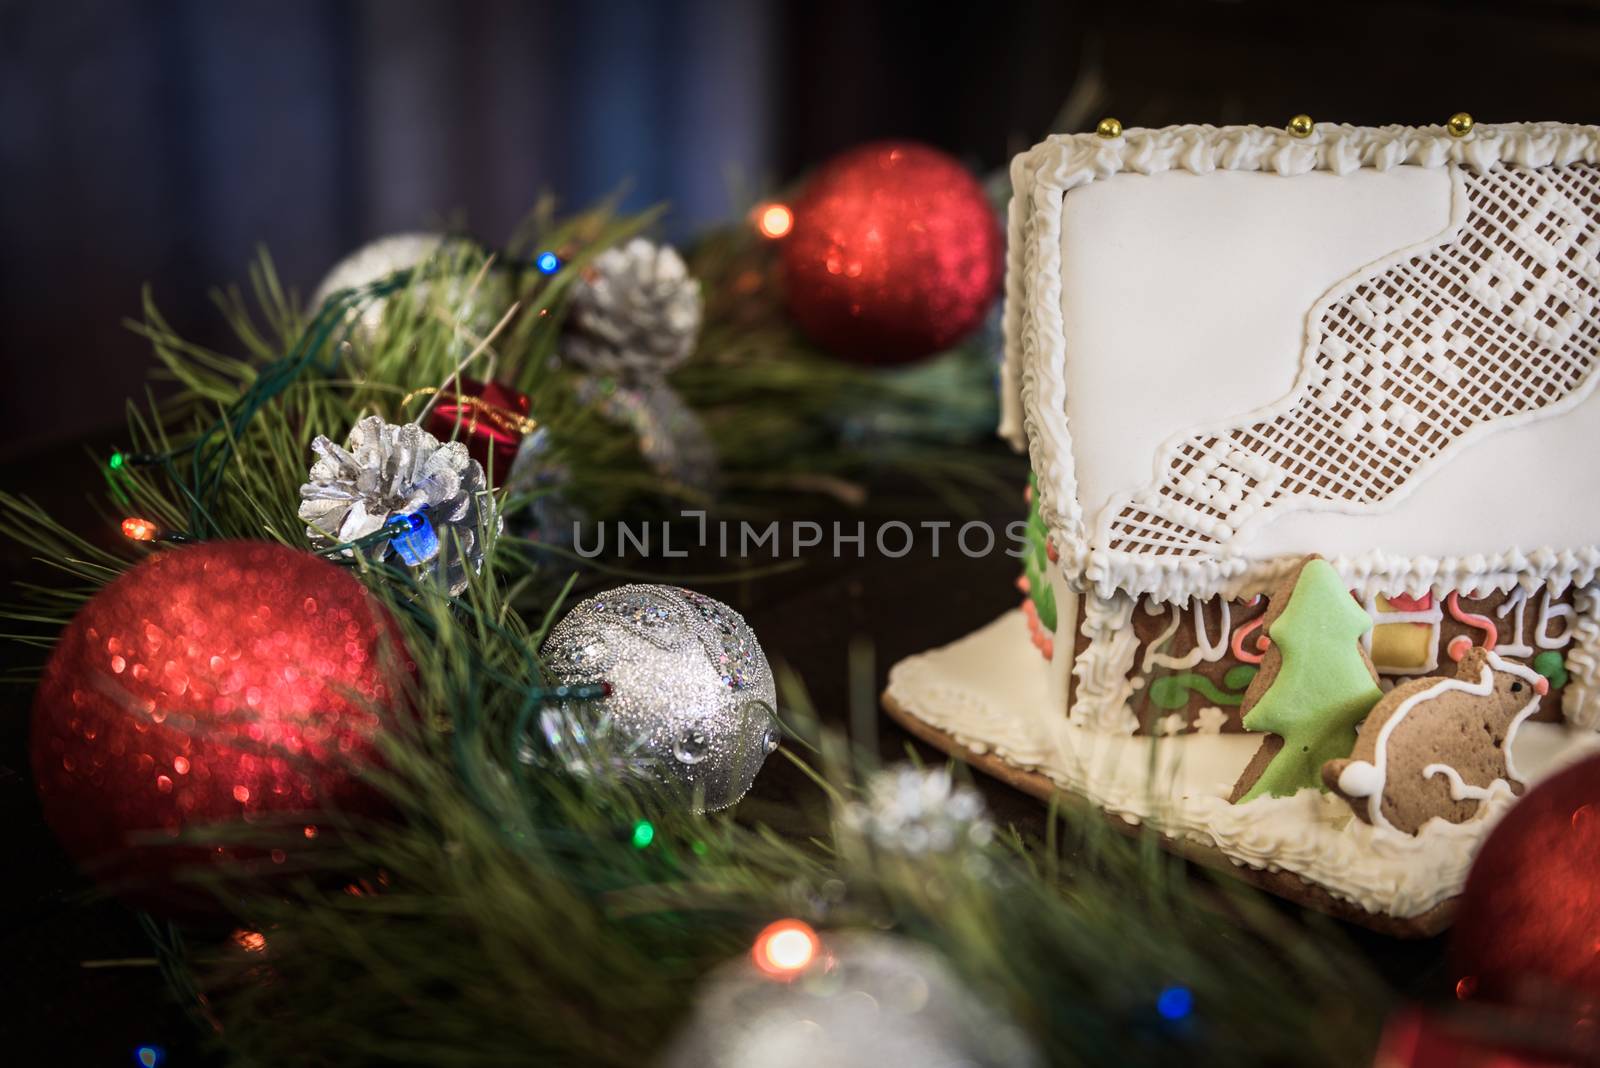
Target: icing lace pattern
{"points": [[1494, 324], [1523, 268]]}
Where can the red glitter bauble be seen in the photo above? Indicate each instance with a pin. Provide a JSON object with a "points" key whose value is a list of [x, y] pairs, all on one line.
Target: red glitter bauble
{"points": [[895, 254], [1528, 930], [211, 683]]}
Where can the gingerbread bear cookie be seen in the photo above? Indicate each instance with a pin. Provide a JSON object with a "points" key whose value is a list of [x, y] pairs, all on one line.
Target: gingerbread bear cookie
{"points": [[1436, 746]]}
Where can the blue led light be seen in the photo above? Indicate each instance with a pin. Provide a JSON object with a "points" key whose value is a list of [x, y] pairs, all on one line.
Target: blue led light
{"points": [[418, 544], [149, 1056], [548, 263], [1175, 1003]]}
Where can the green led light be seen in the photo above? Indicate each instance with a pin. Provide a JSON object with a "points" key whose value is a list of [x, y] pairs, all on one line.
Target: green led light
{"points": [[116, 461], [699, 847], [643, 834]]}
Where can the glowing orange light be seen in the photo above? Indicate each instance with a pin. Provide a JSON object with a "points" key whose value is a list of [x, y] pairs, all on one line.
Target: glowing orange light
{"points": [[785, 949], [139, 529], [250, 941], [774, 220]]}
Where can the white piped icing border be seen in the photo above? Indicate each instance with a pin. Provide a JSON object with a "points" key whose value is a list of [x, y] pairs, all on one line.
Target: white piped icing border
{"points": [[1102, 697], [1580, 701], [1033, 378]]}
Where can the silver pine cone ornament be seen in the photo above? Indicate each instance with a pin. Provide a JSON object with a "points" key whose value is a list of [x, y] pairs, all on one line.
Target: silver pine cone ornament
{"points": [[389, 472], [635, 312], [636, 316], [913, 810]]}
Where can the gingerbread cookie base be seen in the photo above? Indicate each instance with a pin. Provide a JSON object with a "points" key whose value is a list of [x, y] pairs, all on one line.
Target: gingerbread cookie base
{"points": [[1292, 887], [984, 699]]}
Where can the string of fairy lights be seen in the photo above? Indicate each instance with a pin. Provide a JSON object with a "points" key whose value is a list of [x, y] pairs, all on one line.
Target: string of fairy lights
{"points": [[215, 445]]}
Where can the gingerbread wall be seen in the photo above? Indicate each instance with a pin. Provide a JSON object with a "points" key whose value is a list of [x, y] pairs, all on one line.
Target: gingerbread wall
{"points": [[1190, 677]]}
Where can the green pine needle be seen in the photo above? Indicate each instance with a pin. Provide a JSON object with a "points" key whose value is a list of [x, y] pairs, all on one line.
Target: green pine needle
{"points": [[515, 907]]}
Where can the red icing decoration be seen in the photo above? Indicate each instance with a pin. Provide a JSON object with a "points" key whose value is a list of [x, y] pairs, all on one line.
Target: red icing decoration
{"points": [[1461, 643], [1263, 643], [222, 681], [895, 254], [1401, 602], [1042, 641]]}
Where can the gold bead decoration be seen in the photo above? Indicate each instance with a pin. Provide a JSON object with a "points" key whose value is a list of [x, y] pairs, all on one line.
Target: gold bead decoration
{"points": [[1460, 124], [1108, 128], [1301, 126]]}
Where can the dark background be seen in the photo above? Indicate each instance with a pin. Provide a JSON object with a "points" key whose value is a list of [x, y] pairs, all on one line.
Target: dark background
{"points": [[159, 143]]}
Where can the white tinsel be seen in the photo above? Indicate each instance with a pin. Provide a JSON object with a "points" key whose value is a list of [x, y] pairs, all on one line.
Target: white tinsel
{"points": [[386, 470], [911, 810], [635, 312]]}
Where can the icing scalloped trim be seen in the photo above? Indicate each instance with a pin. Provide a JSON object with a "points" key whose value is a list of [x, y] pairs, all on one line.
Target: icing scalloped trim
{"points": [[1367, 574], [1580, 700], [1034, 387]]}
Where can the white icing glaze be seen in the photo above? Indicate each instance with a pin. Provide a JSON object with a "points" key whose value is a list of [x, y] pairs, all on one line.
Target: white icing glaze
{"points": [[1460, 789], [1171, 724], [988, 690], [1036, 385], [1549, 612], [1515, 605], [1205, 650], [1102, 669], [1392, 329], [1210, 720], [1580, 700], [1155, 652], [1370, 779]]}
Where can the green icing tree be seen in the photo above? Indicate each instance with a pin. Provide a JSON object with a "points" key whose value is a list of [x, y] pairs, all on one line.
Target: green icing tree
{"points": [[1036, 561], [1324, 685]]}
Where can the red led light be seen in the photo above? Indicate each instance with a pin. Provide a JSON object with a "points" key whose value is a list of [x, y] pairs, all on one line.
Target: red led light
{"points": [[786, 948], [774, 220], [139, 529]]}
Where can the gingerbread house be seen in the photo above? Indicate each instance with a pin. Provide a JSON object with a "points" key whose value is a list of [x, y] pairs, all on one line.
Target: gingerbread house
{"points": [[1229, 348]]}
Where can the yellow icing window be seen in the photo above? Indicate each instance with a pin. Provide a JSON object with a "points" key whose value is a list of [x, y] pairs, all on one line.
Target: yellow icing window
{"points": [[1405, 634]]}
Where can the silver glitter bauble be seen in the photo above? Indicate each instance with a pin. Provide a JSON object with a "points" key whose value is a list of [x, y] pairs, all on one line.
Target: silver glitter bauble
{"points": [[635, 312], [690, 686], [387, 470], [477, 308], [868, 1001], [912, 810]]}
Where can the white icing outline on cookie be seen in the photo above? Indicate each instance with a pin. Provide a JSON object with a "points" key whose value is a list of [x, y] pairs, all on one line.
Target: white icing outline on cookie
{"points": [[1370, 784]]}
